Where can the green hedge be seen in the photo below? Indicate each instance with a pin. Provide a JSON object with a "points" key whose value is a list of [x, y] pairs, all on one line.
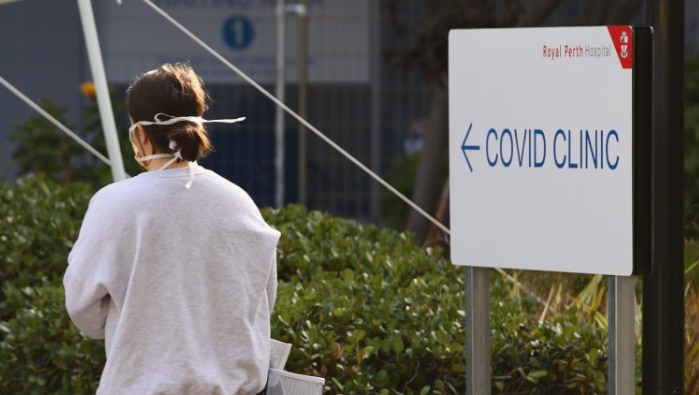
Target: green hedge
{"points": [[41, 352], [367, 308]]}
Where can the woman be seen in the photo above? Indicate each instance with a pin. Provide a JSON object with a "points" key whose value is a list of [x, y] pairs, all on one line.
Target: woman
{"points": [[175, 268]]}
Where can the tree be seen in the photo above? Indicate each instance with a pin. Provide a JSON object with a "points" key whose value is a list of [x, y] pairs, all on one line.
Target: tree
{"points": [[426, 50]]}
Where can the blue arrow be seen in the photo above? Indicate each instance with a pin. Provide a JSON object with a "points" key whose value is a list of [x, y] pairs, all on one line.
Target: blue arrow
{"points": [[465, 147]]}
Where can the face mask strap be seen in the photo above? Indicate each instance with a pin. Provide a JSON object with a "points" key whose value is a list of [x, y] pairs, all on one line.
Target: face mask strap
{"points": [[178, 154], [172, 120], [154, 156]]}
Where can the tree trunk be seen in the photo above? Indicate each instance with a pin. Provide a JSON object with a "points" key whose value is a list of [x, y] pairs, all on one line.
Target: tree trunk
{"points": [[435, 236], [429, 178], [428, 181]]}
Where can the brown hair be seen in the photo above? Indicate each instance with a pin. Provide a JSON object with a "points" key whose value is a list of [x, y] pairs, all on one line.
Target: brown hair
{"points": [[175, 90]]}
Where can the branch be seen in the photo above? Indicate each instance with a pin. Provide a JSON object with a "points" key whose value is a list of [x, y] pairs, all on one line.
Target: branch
{"points": [[537, 15], [603, 12]]}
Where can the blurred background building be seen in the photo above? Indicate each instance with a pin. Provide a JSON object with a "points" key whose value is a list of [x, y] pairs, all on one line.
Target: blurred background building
{"points": [[348, 89]]}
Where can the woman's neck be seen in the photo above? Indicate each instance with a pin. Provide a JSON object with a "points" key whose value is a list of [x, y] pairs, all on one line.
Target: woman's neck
{"points": [[158, 163]]}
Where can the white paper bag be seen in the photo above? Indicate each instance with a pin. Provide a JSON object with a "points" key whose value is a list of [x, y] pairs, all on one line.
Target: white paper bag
{"points": [[281, 382], [279, 354]]}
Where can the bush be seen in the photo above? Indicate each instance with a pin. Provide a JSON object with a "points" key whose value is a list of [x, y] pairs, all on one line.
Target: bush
{"points": [[367, 308], [40, 350], [40, 221], [402, 329], [40, 147]]}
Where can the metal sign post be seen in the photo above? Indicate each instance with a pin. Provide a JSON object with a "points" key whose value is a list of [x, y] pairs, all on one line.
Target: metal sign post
{"points": [[622, 335], [663, 297], [478, 358]]}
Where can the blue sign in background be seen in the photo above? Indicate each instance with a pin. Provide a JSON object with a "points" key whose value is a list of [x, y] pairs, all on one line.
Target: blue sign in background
{"points": [[238, 32]]}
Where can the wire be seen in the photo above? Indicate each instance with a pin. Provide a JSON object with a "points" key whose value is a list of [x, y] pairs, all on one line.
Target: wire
{"points": [[298, 117], [359, 164], [316, 131], [54, 121]]}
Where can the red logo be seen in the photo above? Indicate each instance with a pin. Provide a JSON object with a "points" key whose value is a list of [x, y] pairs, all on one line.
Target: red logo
{"points": [[622, 37]]}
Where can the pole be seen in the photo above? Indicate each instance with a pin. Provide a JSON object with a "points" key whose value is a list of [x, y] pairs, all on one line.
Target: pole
{"points": [[622, 335], [375, 98], [478, 357], [104, 102], [663, 299], [303, 104], [279, 112]]}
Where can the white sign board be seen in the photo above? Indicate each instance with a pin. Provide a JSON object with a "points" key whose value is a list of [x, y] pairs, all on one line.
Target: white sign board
{"points": [[540, 148], [136, 39]]}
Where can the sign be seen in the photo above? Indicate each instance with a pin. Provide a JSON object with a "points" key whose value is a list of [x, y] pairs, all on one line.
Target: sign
{"points": [[135, 39], [542, 149]]}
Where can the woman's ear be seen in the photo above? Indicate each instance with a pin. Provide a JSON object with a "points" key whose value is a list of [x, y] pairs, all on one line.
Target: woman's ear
{"points": [[140, 134]]}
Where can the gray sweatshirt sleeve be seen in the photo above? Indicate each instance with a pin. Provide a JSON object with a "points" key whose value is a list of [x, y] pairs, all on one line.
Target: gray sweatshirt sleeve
{"points": [[272, 283], [85, 279]]}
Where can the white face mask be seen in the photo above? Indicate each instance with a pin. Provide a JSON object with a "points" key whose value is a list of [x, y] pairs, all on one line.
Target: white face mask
{"points": [[177, 155]]}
